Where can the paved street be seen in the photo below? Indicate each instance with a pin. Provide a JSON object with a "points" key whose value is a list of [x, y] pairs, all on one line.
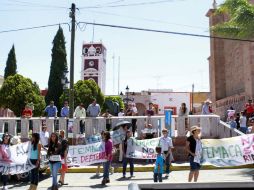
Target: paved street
{"points": [[89, 181]]}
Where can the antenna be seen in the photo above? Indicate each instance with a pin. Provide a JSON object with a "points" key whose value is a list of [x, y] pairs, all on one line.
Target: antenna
{"points": [[113, 57]]}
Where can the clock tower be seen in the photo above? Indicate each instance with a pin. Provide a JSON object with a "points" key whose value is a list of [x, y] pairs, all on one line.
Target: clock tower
{"points": [[94, 63]]}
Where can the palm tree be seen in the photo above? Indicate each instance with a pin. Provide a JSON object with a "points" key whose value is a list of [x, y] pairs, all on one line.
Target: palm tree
{"points": [[241, 20]]}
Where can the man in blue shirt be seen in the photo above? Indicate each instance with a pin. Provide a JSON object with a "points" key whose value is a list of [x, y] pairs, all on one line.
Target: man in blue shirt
{"points": [[51, 110], [93, 109], [65, 110]]}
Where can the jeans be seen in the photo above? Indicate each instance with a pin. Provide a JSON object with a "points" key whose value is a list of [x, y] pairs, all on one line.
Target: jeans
{"points": [[34, 173], [106, 166], [167, 162], [82, 126], [4, 179], [157, 176], [125, 162], [54, 167]]}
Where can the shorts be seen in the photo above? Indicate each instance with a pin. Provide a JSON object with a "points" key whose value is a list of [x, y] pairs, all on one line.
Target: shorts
{"points": [[193, 165]]}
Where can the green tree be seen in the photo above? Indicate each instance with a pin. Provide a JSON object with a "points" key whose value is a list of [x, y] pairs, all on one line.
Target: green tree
{"points": [[84, 92], [240, 23], [11, 64], [113, 104], [57, 69], [17, 91]]}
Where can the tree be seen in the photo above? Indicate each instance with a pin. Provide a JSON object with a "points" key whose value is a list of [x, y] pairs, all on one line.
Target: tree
{"points": [[84, 92], [113, 104], [17, 91], [11, 64], [240, 23], [57, 69]]}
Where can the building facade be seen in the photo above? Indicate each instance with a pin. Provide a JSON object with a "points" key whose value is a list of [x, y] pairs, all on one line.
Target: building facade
{"points": [[231, 70], [94, 64]]}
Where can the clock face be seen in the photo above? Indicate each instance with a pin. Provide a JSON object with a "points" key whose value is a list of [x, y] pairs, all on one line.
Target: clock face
{"points": [[91, 63]]}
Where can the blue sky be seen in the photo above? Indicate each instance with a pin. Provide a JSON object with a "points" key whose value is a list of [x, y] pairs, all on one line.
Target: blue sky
{"points": [[148, 60]]}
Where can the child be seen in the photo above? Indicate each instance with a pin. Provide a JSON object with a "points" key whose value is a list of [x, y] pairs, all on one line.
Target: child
{"points": [[158, 169]]}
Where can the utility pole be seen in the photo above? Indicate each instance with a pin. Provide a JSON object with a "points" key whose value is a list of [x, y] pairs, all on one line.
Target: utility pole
{"points": [[71, 100], [118, 92], [192, 99]]}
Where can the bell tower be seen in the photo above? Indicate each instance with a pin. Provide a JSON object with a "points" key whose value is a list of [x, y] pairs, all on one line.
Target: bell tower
{"points": [[94, 63]]}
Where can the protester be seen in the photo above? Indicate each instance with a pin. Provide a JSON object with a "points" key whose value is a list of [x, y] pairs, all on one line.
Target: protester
{"points": [[108, 157], [194, 148], [125, 159], [99, 164], [150, 110], [183, 110], [166, 148], [80, 112], [65, 110], [232, 122], [44, 136], [243, 121], [35, 155], [6, 139], [27, 112], [51, 110], [237, 120], [54, 152], [159, 163], [108, 116], [63, 153], [249, 107], [206, 108]]}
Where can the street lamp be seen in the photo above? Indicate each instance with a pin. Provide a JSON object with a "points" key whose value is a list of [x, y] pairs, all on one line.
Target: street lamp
{"points": [[64, 81], [127, 99]]}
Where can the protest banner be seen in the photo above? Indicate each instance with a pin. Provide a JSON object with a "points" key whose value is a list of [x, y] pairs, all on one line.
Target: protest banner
{"points": [[15, 159], [142, 149], [82, 155], [234, 151]]}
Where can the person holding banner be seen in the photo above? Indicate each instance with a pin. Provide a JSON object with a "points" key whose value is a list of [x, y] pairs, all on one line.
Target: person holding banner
{"points": [[108, 157], [35, 155], [194, 148], [5, 157], [54, 152], [125, 159], [166, 146]]}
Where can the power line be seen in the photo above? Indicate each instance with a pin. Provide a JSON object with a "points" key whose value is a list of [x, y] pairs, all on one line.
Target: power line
{"points": [[31, 28], [145, 19], [165, 32], [127, 5]]}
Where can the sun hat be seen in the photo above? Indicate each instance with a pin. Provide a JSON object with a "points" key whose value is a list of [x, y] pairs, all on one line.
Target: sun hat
{"points": [[195, 127]]}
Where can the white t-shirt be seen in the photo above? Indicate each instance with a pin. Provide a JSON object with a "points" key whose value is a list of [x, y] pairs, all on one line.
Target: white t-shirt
{"points": [[165, 143], [44, 137], [243, 121]]}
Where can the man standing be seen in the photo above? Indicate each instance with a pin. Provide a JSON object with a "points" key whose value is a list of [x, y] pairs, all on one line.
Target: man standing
{"points": [[249, 107], [44, 136], [65, 110], [51, 110], [93, 109], [166, 146], [206, 107], [80, 112]]}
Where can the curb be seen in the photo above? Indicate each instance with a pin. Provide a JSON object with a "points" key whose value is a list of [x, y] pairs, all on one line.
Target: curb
{"points": [[173, 167]]}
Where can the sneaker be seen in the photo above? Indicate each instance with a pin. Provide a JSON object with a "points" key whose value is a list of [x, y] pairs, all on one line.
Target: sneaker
{"points": [[103, 182], [107, 181], [124, 176]]}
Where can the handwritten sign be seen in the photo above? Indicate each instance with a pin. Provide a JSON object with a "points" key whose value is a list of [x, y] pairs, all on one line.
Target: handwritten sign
{"points": [[142, 149], [233, 151], [15, 159], [83, 155]]}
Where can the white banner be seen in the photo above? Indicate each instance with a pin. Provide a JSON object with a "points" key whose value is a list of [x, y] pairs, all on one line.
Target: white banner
{"points": [[142, 149], [233, 151], [82, 155], [15, 159]]}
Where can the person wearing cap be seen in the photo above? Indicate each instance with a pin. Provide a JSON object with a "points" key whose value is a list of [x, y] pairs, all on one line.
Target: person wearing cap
{"points": [[206, 107], [125, 159], [166, 147], [44, 136], [194, 148]]}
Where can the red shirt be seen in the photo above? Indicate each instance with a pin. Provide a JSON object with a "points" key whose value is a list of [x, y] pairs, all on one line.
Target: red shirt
{"points": [[27, 113], [249, 108]]}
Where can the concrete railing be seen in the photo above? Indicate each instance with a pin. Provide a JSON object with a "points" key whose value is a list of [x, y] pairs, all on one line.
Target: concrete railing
{"points": [[211, 125]]}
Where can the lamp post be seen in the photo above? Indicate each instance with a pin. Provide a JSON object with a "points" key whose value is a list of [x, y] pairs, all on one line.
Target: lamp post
{"points": [[64, 81], [127, 99], [192, 99]]}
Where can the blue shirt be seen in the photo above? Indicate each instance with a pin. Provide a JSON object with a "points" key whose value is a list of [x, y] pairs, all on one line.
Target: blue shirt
{"points": [[51, 111], [159, 162], [65, 112], [34, 153], [93, 111]]}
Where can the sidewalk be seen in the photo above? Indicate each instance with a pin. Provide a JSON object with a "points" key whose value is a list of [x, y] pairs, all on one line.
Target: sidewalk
{"points": [[89, 181]]}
